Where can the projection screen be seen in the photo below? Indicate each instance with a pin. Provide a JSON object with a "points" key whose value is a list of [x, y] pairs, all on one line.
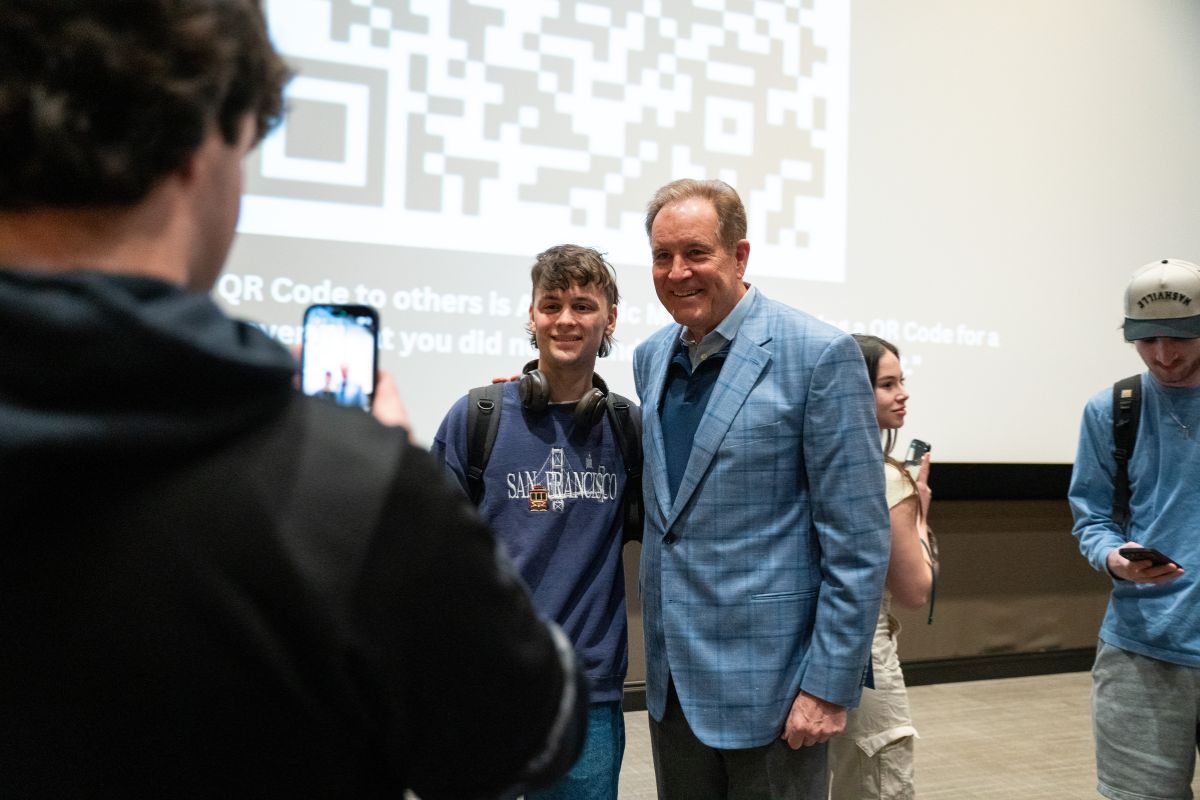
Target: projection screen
{"points": [[974, 181]]}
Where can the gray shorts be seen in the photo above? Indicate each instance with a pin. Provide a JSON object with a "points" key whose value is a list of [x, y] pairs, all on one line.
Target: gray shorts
{"points": [[1144, 715]]}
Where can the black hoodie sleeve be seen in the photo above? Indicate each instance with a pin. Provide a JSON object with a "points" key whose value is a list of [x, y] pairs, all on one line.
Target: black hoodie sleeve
{"points": [[478, 696]]}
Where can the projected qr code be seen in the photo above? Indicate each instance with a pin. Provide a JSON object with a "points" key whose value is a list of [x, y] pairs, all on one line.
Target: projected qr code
{"points": [[505, 126]]}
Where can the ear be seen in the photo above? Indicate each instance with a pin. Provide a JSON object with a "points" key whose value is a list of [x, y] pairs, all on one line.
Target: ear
{"points": [[200, 161], [204, 158], [214, 148], [742, 252], [612, 320], [190, 168]]}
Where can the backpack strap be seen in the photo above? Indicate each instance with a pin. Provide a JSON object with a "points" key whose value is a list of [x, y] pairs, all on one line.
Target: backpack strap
{"points": [[1127, 406], [483, 420], [628, 428]]}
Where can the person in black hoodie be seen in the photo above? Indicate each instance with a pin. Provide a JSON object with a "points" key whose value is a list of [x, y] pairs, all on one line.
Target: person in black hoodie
{"points": [[211, 585]]}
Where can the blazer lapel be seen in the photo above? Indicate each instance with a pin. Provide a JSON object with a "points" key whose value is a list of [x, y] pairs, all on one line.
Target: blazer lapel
{"points": [[739, 374], [652, 422]]}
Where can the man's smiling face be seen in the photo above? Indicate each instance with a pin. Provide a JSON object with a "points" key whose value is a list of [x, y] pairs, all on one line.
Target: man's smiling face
{"points": [[696, 278]]}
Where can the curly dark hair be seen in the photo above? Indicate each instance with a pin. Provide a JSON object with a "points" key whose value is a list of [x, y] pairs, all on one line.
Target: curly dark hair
{"points": [[564, 265], [99, 100]]}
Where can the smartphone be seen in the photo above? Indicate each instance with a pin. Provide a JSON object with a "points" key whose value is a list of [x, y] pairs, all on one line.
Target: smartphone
{"points": [[1147, 554], [916, 451], [340, 354]]}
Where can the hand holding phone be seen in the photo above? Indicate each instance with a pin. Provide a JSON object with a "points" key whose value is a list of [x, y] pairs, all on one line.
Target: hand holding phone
{"points": [[1155, 557], [917, 449], [340, 355]]}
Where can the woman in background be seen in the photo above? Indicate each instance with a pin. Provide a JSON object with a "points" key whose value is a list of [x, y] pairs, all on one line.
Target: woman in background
{"points": [[873, 758]]}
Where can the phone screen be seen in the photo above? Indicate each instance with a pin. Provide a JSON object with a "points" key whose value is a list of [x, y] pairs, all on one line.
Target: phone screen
{"points": [[912, 459], [916, 450], [338, 361]]}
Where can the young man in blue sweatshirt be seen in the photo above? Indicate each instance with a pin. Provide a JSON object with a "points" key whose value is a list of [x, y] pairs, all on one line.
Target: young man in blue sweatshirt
{"points": [[1147, 672], [552, 491]]}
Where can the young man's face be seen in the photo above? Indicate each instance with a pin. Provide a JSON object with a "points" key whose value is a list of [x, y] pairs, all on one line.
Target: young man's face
{"points": [[569, 325], [1173, 362]]}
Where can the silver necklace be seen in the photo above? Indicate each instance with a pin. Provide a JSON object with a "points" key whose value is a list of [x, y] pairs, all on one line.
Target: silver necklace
{"points": [[1169, 407], [1185, 429]]}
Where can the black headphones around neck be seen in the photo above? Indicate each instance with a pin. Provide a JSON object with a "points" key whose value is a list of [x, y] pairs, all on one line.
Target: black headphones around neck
{"points": [[535, 396]]}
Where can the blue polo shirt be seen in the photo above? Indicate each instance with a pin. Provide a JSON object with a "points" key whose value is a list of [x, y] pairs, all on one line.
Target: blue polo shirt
{"points": [[690, 380]]}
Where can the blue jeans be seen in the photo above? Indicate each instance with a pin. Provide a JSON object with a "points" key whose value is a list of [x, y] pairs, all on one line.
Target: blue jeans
{"points": [[598, 770]]}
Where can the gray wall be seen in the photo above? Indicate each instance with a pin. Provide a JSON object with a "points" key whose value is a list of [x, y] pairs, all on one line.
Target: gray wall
{"points": [[1012, 581]]}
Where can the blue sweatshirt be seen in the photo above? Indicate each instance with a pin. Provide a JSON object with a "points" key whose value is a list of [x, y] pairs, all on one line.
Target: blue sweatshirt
{"points": [[1161, 622], [553, 497]]}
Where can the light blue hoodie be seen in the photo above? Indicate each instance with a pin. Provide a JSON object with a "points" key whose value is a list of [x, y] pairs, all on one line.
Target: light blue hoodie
{"points": [[1163, 621]]}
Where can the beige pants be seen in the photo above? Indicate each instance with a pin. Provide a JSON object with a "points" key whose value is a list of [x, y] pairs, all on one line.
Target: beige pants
{"points": [[873, 758]]}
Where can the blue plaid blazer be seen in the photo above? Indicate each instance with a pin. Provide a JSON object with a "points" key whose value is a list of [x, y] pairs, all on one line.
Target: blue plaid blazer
{"points": [[764, 576]]}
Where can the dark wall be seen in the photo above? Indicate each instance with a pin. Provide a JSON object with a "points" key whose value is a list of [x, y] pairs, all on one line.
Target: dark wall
{"points": [[1012, 579]]}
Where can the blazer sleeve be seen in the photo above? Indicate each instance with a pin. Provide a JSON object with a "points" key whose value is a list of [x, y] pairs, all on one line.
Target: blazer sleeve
{"points": [[639, 358], [843, 465]]}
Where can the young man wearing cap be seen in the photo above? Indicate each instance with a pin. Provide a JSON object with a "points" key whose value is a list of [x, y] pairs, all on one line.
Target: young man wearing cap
{"points": [[1147, 671]]}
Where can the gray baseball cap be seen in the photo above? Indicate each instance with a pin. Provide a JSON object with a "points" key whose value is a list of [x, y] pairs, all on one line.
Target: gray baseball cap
{"points": [[1163, 299]]}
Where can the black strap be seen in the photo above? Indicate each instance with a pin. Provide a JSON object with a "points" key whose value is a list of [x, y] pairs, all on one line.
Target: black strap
{"points": [[931, 549], [483, 420], [628, 428], [1127, 404]]}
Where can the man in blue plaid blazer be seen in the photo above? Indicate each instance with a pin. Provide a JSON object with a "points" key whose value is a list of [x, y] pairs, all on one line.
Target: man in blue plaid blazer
{"points": [[767, 534]]}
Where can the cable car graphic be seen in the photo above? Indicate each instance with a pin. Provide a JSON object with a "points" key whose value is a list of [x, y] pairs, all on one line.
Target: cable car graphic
{"points": [[538, 498], [554, 489]]}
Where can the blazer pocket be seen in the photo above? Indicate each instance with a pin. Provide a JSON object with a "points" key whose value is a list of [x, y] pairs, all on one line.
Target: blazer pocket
{"points": [[759, 433], [778, 596], [780, 629]]}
